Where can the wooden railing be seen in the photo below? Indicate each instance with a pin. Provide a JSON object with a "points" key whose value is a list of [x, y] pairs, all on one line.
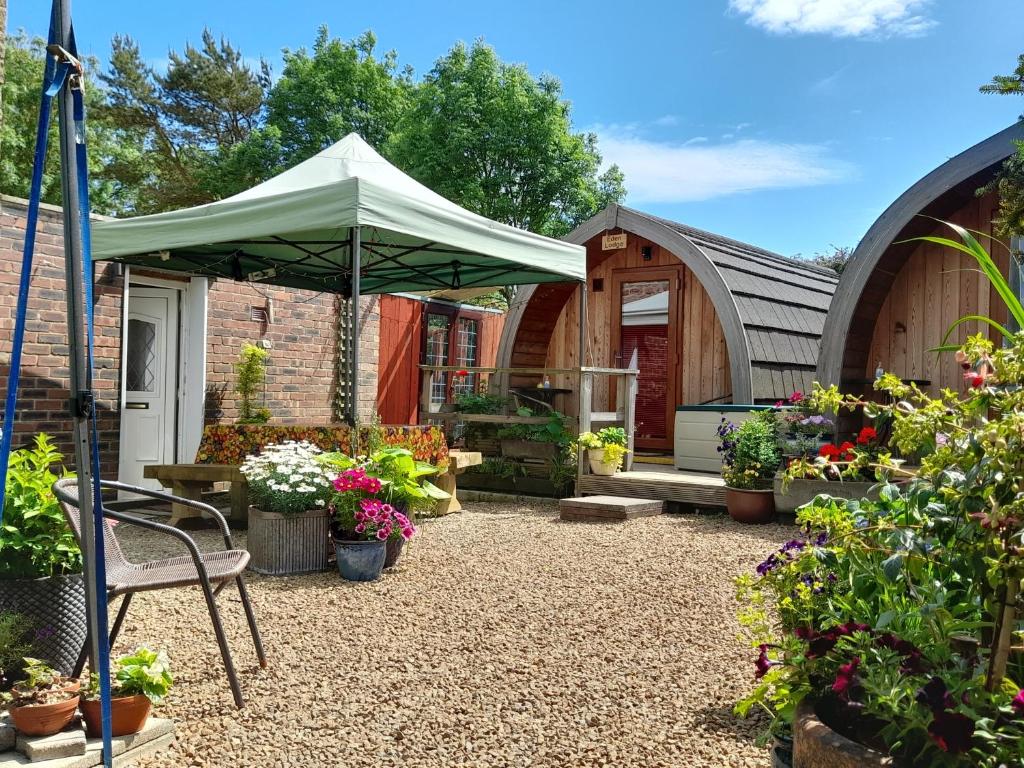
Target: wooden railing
{"points": [[497, 381]]}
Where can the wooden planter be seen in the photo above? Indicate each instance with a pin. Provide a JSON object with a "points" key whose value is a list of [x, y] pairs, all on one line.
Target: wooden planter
{"points": [[802, 492], [815, 745], [280, 545], [528, 449], [529, 486]]}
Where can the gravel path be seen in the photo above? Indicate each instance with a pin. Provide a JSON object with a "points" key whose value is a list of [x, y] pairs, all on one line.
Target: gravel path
{"points": [[505, 638]]}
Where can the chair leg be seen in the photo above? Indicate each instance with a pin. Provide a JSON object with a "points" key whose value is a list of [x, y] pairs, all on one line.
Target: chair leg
{"points": [[222, 641], [250, 616], [122, 611]]}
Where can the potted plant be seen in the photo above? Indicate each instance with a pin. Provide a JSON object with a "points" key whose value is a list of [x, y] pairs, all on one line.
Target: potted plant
{"points": [[534, 441], [362, 525], [404, 486], [843, 469], [139, 680], [750, 457], [44, 702], [606, 450], [251, 369], [289, 522], [40, 562]]}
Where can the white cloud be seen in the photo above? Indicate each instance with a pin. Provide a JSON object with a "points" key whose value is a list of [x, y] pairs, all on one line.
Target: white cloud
{"points": [[842, 18], [666, 172], [666, 121]]}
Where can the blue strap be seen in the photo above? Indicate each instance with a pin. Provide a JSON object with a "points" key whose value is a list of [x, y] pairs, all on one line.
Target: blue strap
{"points": [[53, 80]]}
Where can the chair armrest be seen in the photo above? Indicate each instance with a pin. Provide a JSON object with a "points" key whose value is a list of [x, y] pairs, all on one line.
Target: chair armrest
{"points": [[170, 530], [163, 496]]}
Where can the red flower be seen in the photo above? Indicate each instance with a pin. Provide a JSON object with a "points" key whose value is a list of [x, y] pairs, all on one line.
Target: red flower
{"points": [[867, 435], [1018, 702], [829, 451], [462, 373], [844, 678], [796, 397], [952, 732]]}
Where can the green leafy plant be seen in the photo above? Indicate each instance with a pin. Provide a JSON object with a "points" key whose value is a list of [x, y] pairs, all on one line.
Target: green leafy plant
{"points": [[141, 673], [251, 370], [480, 402], [16, 633], [402, 477], [750, 452], [611, 441], [287, 478], [499, 466], [35, 539], [41, 685], [554, 430]]}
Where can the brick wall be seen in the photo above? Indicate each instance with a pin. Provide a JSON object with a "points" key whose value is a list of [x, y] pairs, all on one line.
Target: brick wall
{"points": [[44, 390], [301, 358]]}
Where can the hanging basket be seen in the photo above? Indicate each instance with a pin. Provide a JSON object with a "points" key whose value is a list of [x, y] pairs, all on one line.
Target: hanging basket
{"points": [[55, 607]]}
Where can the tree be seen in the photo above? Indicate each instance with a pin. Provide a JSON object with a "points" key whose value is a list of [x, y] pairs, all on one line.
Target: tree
{"points": [[1009, 183], [496, 140], [321, 97], [191, 117], [3, 47], [835, 259], [109, 145]]}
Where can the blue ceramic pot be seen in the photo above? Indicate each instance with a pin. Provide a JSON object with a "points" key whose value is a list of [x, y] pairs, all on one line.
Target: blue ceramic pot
{"points": [[360, 560]]}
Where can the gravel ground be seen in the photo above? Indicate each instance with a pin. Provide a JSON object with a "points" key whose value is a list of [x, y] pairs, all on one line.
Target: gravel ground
{"points": [[504, 638]]}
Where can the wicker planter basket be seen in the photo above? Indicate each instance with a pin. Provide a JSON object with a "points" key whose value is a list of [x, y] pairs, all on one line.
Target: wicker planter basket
{"points": [[279, 545], [56, 608]]}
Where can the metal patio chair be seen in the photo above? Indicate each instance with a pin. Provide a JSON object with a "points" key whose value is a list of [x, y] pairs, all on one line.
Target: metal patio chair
{"points": [[196, 568]]}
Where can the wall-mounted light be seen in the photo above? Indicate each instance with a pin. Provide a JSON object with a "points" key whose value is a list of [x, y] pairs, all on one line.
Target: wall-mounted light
{"points": [[646, 253]]}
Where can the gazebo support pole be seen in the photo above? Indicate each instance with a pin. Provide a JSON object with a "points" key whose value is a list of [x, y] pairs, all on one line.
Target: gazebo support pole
{"points": [[583, 393], [354, 328]]}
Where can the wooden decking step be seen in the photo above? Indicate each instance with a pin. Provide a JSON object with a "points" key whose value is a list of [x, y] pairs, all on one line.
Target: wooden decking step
{"points": [[608, 508]]}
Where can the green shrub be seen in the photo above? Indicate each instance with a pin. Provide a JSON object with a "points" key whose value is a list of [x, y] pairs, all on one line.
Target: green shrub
{"points": [[251, 369], [35, 539]]}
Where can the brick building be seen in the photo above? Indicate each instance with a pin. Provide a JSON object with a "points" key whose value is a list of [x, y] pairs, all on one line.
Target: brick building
{"points": [[184, 334]]}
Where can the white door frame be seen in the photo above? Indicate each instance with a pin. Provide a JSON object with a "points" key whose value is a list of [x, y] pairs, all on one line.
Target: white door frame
{"points": [[190, 356]]}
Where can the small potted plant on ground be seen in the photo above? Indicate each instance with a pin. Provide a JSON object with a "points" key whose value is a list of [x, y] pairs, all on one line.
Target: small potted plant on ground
{"points": [[288, 518], [606, 450], [40, 563], [750, 456], [140, 679], [44, 702], [362, 525]]}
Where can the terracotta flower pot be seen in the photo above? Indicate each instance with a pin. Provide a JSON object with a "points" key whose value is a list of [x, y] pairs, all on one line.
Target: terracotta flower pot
{"points": [[44, 719], [128, 715], [815, 745], [752, 507]]}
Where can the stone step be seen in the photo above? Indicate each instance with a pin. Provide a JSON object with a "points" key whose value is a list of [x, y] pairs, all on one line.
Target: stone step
{"points": [[157, 734], [608, 508]]}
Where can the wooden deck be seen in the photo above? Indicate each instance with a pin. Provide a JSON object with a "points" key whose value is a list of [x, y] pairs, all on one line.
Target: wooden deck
{"points": [[655, 481]]}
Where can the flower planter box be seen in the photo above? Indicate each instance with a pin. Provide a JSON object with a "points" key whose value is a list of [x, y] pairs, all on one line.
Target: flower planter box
{"points": [[56, 608], [802, 492], [815, 745], [528, 449], [280, 545]]}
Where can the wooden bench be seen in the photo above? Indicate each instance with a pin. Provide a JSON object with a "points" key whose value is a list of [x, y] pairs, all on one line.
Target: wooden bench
{"points": [[458, 462], [190, 480]]}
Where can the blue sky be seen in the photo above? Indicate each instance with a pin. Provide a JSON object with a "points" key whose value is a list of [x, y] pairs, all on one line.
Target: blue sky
{"points": [[790, 124]]}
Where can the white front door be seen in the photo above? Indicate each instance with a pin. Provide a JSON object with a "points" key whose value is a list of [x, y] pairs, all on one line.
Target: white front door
{"points": [[150, 372]]}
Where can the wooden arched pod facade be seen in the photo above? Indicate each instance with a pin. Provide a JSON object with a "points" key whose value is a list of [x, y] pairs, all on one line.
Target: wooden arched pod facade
{"points": [[744, 324], [896, 298]]}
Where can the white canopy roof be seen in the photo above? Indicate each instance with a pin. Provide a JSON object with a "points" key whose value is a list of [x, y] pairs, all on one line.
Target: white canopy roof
{"points": [[295, 230]]}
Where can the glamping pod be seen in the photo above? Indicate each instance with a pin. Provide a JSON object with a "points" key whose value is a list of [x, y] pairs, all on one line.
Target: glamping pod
{"points": [[897, 298], [711, 321]]}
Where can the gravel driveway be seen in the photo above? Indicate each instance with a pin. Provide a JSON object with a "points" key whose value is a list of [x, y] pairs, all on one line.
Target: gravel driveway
{"points": [[504, 638]]}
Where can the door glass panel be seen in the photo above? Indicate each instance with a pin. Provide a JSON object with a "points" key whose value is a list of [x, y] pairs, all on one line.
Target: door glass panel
{"points": [[466, 339], [645, 334], [438, 329], [141, 363]]}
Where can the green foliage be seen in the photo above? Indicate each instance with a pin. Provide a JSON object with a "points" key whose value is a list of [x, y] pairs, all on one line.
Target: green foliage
{"points": [[41, 685], [403, 478], [111, 146], [499, 466], [190, 118], [482, 402], [141, 673], [287, 478], [755, 457], [251, 370], [836, 259], [554, 430], [338, 88], [1009, 183], [15, 644], [35, 540]]}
